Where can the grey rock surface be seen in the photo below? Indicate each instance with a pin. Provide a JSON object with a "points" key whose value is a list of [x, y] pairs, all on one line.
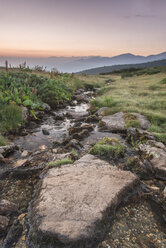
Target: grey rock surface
{"points": [[75, 203], [114, 122], [158, 160]]}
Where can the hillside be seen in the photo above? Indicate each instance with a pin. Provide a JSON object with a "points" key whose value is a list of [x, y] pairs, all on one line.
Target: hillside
{"points": [[109, 69], [79, 63]]}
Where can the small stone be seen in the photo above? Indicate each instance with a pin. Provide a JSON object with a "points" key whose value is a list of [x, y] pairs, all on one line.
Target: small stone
{"points": [[24, 154], [45, 131], [7, 207], [20, 162], [21, 216]]}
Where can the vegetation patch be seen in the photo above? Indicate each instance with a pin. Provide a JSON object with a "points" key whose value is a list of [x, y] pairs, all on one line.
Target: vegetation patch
{"points": [[108, 148], [61, 162], [10, 117], [163, 81], [3, 141], [131, 120]]}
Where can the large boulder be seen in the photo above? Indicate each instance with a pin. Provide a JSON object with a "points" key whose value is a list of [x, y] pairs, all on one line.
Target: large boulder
{"points": [[114, 122], [75, 202], [119, 121]]}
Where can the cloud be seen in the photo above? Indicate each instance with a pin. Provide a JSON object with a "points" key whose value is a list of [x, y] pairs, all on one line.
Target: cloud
{"points": [[138, 16]]}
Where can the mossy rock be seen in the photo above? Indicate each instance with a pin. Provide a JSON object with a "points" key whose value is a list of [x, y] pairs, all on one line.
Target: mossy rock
{"points": [[131, 120], [108, 148]]}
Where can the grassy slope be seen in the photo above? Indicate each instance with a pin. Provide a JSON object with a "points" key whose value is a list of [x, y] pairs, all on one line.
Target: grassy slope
{"points": [[144, 94]]}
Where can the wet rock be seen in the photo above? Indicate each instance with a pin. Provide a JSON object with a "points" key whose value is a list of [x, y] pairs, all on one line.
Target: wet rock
{"points": [[74, 143], [7, 207], [73, 103], [4, 150], [87, 126], [59, 116], [45, 131], [81, 98], [84, 133], [13, 234], [76, 115], [74, 129], [4, 221], [74, 204], [24, 111], [46, 107], [114, 122], [135, 135]]}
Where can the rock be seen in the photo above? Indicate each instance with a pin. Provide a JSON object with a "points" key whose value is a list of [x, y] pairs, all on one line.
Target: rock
{"points": [[164, 192], [24, 154], [74, 143], [74, 129], [24, 111], [117, 122], [84, 133], [114, 122], [98, 136], [7, 207], [158, 159], [145, 124], [75, 203], [58, 116], [20, 162], [46, 107], [4, 221], [4, 150], [73, 103], [87, 126], [45, 131], [76, 115]]}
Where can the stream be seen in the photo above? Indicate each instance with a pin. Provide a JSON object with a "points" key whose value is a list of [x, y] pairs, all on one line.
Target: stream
{"points": [[136, 224]]}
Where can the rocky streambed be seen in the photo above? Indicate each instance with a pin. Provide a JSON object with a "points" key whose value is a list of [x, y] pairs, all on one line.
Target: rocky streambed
{"points": [[109, 193]]}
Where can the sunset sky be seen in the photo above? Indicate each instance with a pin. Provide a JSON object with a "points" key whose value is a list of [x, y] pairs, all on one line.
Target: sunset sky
{"points": [[82, 27]]}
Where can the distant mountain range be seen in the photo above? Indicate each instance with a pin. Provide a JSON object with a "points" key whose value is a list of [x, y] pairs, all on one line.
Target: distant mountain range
{"points": [[76, 64], [109, 69]]}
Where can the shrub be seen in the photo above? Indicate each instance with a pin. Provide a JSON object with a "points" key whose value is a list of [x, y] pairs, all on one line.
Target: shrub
{"points": [[10, 117], [163, 81]]}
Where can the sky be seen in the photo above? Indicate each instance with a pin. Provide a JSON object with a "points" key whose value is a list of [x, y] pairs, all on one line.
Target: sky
{"points": [[43, 28]]}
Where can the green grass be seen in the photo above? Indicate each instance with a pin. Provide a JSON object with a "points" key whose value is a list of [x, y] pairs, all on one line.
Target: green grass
{"points": [[61, 162], [144, 94], [131, 120], [3, 141], [109, 148]]}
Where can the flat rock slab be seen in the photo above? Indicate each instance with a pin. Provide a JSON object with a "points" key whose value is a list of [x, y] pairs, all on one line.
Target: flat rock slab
{"points": [[116, 122], [75, 202]]}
